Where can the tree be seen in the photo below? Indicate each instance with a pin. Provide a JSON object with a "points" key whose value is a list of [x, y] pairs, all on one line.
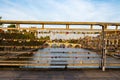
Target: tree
{"points": [[45, 38], [12, 26]]}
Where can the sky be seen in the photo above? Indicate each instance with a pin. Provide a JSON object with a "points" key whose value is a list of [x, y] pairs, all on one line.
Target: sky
{"points": [[61, 10]]}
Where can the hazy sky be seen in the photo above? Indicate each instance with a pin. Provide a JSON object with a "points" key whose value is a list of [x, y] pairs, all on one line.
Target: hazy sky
{"points": [[61, 10]]}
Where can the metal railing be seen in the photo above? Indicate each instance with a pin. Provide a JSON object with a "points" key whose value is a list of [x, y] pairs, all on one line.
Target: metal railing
{"points": [[28, 59]]}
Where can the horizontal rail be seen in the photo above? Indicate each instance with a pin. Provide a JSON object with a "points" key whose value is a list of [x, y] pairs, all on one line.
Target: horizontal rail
{"points": [[52, 57], [34, 52], [36, 65], [2, 52], [67, 62], [57, 23], [6, 64], [53, 62], [80, 29]]}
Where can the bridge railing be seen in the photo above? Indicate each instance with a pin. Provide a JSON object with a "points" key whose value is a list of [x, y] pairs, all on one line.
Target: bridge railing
{"points": [[103, 41], [45, 59]]}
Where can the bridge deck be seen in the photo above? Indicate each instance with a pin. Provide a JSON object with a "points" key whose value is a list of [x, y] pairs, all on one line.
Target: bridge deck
{"points": [[81, 74]]}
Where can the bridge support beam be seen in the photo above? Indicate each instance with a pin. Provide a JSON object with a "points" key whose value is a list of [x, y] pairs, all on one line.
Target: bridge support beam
{"points": [[91, 26], [18, 26], [42, 26], [116, 27], [67, 26], [104, 50]]}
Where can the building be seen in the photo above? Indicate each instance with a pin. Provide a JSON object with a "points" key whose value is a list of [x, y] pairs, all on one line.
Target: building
{"points": [[65, 34]]}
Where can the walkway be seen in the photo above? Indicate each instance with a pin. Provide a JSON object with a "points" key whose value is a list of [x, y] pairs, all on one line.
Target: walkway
{"points": [[81, 74]]}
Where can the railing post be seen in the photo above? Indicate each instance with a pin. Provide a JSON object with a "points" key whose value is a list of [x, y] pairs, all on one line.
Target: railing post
{"points": [[42, 26], [104, 50], [116, 27], [17, 26], [67, 26], [91, 26]]}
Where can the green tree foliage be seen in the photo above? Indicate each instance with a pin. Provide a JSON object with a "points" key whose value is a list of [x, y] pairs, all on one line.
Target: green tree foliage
{"points": [[17, 36], [45, 38], [73, 41], [11, 26]]}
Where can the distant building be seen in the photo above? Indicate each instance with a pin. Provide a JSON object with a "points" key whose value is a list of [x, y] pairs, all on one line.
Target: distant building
{"points": [[65, 34]]}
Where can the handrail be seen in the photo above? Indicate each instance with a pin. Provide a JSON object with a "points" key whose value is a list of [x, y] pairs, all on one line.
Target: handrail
{"points": [[57, 22]]}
